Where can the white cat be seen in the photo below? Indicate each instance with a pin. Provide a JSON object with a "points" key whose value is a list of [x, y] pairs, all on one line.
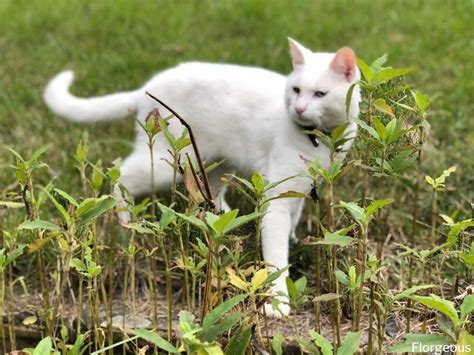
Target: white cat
{"points": [[251, 117]]}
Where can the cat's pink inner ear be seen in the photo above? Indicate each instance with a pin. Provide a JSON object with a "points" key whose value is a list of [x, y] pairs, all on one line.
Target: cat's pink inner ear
{"points": [[344, 63], [296, 51]]}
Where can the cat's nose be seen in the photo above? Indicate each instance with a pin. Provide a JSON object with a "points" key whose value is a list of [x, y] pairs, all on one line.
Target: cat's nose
{"points": [[299, 110]]}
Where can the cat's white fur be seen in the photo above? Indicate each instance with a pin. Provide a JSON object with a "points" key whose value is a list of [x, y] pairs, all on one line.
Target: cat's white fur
{"points": [[244, 115]]}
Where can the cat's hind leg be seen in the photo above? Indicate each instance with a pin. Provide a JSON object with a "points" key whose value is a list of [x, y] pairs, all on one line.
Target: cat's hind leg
{"points": [[219, 187]]}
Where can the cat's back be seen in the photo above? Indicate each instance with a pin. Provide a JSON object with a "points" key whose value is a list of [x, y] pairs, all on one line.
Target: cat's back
{"points": [[220, 80], [228, 72]]}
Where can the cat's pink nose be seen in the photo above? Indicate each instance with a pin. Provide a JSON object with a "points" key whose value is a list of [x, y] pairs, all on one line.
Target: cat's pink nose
{"points": [[300, 110]]}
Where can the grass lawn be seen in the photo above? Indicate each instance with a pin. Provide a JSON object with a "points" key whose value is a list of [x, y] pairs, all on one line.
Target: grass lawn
{"points": [[118, 44], [115, 45]]}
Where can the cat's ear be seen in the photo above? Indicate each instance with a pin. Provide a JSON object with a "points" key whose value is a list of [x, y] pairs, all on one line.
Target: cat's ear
{"points": [[344, 63], [297, 52]]}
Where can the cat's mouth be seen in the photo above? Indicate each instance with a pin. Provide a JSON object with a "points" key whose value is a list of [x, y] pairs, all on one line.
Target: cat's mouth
{"points": [[313, 122]]}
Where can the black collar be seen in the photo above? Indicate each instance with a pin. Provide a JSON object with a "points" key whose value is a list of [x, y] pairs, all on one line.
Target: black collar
{"points": [[312, 137]]}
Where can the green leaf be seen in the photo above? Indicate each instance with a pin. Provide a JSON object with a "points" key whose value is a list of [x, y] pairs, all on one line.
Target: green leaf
{"points": [[30, 320], [64, 213], [78, 344], [375, 206], [445, 326], [38, 224], [11, 204], [114, 345], [380, 128], [157, 340], [467, 306], [210, 333], [350, 344], [444, 306], [442, 178], [38, 153], [422, 101], [44, 347], [242, 220], [16, 154], [259, 278], [355, 211], [224, 221], [97, 176], [467, 258], [389, 73], [67, 197], [239, 342], [274, 275], [82, 148], [413, 342], [338, 133], [365, 69], [457, 229], [237, 281], [334, 239], [367, 128], [182, 143], [213, 316], [326, 297], [300, 284], [410, 291], [191, 219], [78, 264], [277, 343], [350, 91], [382, 106], [258, 182], [113, 173], [84, 206], [321, 342], [139, 228], [342, 277], [244, 182], [377, 64], [163, 124], [430, 181], [102, 206], [290, 194], [292, 290]]}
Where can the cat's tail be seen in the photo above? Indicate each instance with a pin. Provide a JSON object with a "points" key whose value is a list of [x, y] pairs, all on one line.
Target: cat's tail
{"points": [[94, 109]]}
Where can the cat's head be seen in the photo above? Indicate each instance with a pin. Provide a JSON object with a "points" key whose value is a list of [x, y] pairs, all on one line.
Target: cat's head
{"points": [[317, 87]]}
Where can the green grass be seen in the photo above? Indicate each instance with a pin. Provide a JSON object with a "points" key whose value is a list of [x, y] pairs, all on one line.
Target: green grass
{"points": [[118, 44]]}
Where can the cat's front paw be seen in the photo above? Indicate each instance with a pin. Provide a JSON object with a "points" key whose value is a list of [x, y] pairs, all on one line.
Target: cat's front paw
{"points": [[281, 311], [124, 217]]}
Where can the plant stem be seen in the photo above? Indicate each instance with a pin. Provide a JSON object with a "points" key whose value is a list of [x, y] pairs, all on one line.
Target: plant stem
{"points": [[360, 294], [434, 208], [2, 298], [208, 280], [371, 319], [152, 177], [168, 287], [317, 309]]}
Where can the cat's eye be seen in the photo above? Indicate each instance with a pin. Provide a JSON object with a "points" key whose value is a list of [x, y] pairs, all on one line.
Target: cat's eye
{"points": [[320, 93], [296, 89]]}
